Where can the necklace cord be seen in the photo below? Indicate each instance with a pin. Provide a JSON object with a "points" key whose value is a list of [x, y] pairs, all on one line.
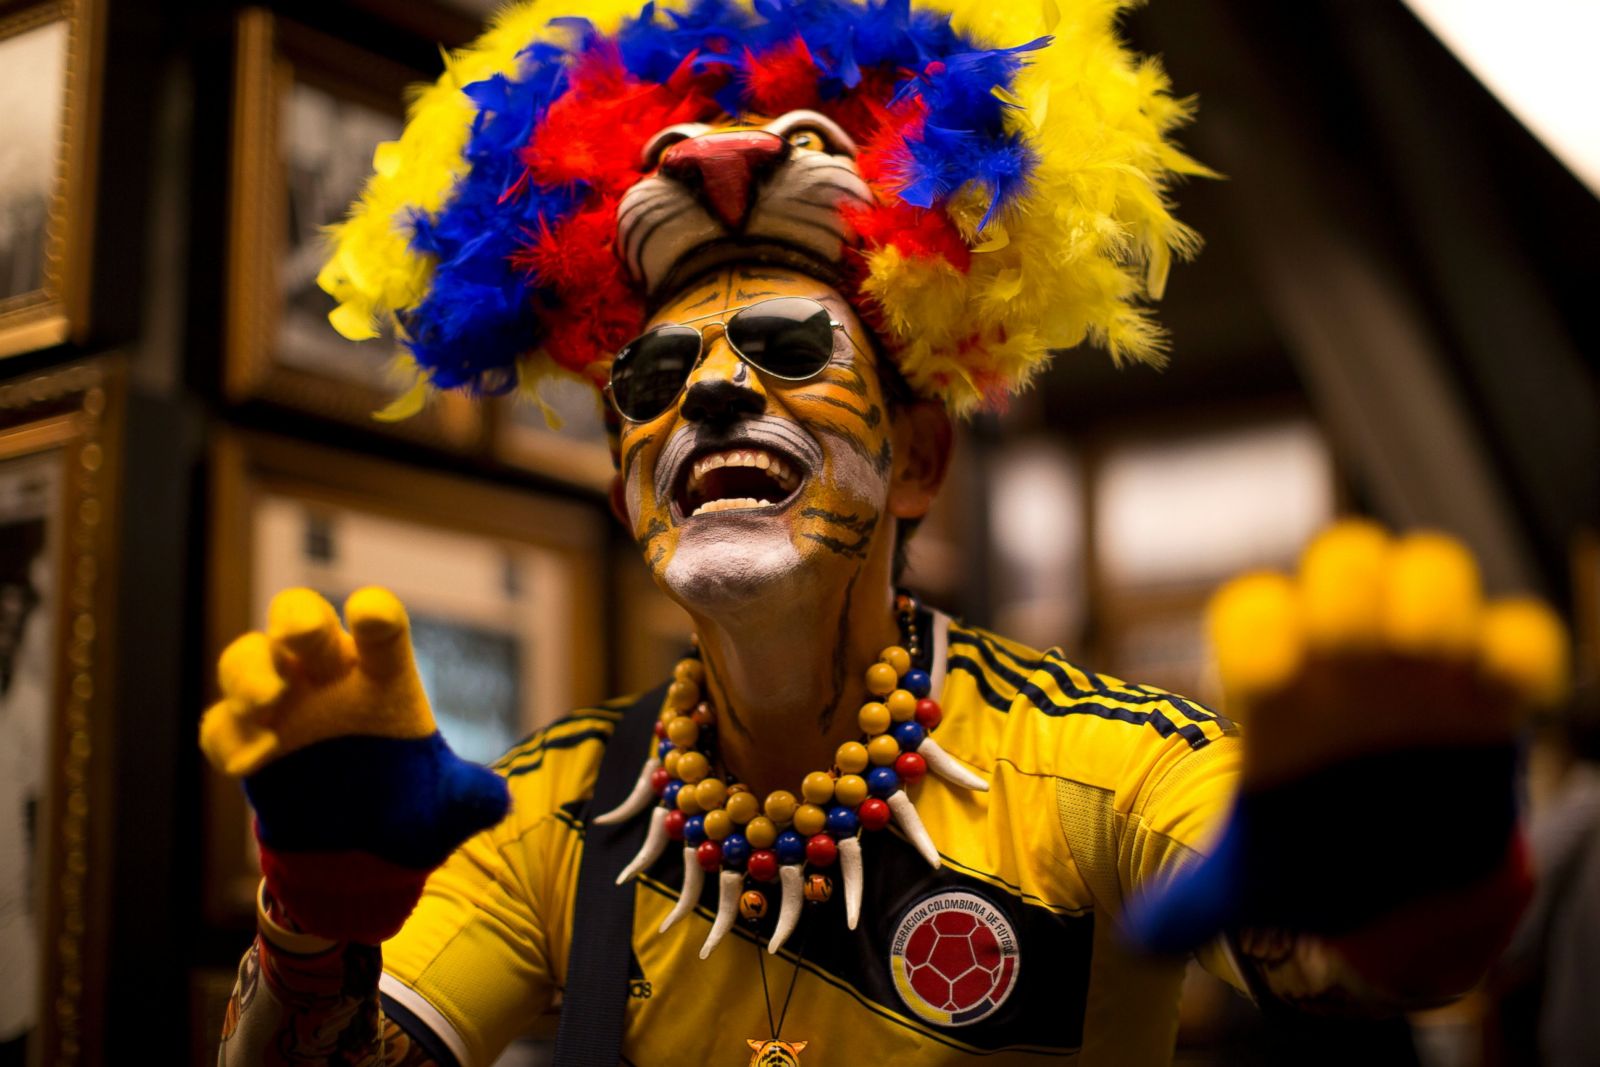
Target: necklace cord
{"points": [[761, 963]]}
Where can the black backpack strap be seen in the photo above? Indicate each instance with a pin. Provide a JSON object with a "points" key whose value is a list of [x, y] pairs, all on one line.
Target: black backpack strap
{"points": [[590, 1034]]}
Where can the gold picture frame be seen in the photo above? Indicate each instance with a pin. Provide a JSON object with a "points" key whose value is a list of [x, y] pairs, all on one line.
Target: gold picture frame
{"points": [[288, 513], [308, 111], [50, 61], [58, 509]]}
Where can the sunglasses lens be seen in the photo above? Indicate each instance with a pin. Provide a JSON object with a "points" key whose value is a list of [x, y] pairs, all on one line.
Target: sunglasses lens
{"points": [[788, 337], [648, 374]]}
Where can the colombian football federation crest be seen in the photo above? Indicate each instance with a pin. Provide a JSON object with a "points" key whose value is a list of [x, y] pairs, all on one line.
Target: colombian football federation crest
{"points": [[954, 958]]}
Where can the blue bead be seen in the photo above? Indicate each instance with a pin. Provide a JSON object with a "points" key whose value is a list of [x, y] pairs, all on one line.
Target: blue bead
{"points": [[694, 829], [735, 850], [663, 748], [918, 682], [910, 735], [791, 847], [669, 795], [842, 821], [882, 781]]}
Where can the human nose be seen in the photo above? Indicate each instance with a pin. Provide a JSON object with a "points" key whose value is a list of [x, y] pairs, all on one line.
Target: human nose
{"points": [[721, 388]]}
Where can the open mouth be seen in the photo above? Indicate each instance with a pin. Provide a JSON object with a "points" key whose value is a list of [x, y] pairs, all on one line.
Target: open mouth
{"points": [[736, 479]]}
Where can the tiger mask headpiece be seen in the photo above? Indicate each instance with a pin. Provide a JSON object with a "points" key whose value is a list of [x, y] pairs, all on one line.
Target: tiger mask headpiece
{"points": [[984, 182], [778, 191]]}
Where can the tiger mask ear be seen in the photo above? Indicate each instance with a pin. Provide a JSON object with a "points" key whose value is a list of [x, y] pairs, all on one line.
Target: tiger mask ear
{"points": [[799, 1046], [756, 1045]]}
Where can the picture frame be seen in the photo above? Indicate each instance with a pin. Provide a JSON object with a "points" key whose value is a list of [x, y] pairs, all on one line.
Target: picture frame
{"points": [[308, 112], [50, 70], [504, 588], [59, 474]]}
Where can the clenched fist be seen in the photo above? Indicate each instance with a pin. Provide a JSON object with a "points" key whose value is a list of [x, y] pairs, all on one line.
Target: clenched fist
{"points": [[1380, 696], [357, 797]]}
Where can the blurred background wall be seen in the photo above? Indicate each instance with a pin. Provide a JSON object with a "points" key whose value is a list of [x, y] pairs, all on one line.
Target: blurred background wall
{"points": [[1392, 316]]}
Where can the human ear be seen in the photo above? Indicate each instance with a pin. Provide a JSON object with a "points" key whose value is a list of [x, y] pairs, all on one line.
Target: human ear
{"points": [[922, 435]]}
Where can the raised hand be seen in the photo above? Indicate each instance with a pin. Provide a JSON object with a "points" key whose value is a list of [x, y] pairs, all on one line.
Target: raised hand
{"points": [[1380, 696], [357, 797]]}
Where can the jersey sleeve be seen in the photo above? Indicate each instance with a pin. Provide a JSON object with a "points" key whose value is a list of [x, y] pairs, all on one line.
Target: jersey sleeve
{"points": [[481, 958], [1174, 821]]}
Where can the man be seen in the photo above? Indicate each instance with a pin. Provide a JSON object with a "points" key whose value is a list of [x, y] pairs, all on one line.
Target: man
{"points": [[824, 228]]}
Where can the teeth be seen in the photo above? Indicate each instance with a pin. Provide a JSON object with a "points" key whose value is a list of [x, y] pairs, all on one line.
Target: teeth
{"points": [[777, 468], [731, 504]]}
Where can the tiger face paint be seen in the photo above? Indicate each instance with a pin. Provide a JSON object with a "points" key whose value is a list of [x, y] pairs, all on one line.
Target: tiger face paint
{"points": [[747, 485]]}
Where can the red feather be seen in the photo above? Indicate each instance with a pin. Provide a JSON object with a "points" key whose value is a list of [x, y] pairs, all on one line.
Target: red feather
{"points": [[781, 79]]}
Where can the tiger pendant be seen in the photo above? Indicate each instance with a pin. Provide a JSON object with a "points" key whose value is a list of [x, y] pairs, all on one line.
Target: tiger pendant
{"points": [[775, 1053]]}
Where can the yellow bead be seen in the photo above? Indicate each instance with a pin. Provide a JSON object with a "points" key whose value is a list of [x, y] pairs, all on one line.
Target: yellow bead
{"points": [[882, 750], [668, 714], [761, 832], [873, 719], [742, 807], [852, 788], [718, 825], [682, 732], [851, 757], [681, 696], [779, 806], [693, 766], [901, 704], [809, 819], [896, 657], [689, 670], [817, 787], [711, 793], [688, 801], [670, 762], [881, 679]]}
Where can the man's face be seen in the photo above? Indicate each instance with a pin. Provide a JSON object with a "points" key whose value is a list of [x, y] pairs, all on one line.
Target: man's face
{"points": [[747, 484]]}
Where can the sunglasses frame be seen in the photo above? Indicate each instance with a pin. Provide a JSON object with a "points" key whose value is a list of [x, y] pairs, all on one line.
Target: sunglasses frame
{"points": [[722, 318]]}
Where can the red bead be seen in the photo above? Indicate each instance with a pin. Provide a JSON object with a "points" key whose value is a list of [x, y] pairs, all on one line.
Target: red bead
{"points": [[874, 814], [910, 766], [661, 728], [762, 865], [703, 715], [928, 713], [821, 851], [659, 779], [675, 820], [709, 854]]}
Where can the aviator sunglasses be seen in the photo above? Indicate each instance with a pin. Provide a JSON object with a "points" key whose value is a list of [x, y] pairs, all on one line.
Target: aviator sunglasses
{"points": [[787, 337]]}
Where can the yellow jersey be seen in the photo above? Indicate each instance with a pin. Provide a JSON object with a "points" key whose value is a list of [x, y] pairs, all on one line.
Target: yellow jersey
{"points": [[1008, 952]]}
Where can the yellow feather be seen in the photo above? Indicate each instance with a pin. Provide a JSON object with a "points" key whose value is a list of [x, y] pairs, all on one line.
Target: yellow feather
{"points": [[1078, 256]]}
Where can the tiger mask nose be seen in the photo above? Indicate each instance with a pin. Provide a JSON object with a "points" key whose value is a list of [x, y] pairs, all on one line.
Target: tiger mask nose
{"points": [[725, 167]]}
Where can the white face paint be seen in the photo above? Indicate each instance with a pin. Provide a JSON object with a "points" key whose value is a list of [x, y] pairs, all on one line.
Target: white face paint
{"points": [[785, 489]]}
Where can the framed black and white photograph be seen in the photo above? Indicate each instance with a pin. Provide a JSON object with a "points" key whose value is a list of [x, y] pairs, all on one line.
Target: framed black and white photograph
{"points": [[309, 113], [55, 503], [48, 74], [500, 586]]}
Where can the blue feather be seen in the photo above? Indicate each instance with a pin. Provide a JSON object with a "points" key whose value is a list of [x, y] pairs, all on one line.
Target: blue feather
{"points": [[479, 314]]}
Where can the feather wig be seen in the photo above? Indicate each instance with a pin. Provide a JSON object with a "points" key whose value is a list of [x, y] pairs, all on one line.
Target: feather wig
{"points": [[1020, 157]]}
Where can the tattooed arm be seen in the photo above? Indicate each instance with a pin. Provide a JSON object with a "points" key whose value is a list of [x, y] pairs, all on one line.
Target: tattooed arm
{"points": [[305, 1000]]}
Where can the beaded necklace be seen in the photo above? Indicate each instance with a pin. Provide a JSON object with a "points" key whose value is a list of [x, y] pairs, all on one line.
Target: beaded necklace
{"points": [[793, 841]]}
